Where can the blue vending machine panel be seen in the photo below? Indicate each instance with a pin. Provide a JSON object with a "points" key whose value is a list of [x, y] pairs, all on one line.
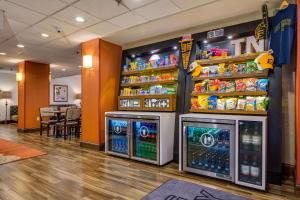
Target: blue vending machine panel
{"points": [[118, 136], [145, 137], [208, 149]]}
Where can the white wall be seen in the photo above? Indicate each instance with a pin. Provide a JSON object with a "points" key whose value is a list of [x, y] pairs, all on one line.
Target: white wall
{"points": [[8, 83], [74, 87]]}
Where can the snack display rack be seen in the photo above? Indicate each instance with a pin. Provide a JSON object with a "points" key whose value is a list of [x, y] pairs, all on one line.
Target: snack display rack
{"points": [[151, 85], [234, 94]]}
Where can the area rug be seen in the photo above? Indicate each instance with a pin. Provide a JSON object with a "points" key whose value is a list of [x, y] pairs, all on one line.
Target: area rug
{"points": [[11, 151], [181, 190]]}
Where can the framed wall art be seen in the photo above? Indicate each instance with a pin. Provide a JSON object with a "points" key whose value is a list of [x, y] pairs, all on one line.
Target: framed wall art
{"points": [[60, 93]]}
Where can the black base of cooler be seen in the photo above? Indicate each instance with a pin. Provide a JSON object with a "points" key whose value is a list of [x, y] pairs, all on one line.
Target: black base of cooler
{"points": [[274, 178]]}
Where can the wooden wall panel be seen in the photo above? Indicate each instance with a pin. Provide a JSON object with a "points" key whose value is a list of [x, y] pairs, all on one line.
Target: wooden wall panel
{"points": [[110, 69], [21, 97], [99, 88], [90, 92], [33, 93]]}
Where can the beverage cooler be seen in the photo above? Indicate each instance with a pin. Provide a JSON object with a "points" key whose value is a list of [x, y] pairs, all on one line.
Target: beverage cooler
{"points": [[228, 147], [147, 137]]}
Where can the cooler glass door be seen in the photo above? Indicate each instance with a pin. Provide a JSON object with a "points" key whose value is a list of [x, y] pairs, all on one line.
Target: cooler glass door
{"points": [[208, 149], [145, 140], [117, 138], [251, 154]]}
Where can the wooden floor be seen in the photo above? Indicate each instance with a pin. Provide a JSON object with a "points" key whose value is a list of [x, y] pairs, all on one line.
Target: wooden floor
{"points": [[70, 172]]}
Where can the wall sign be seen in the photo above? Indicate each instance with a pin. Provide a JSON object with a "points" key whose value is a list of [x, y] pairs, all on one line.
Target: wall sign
{"points": [[250, 44], [215, 33], [186, 49], [60, 93]]}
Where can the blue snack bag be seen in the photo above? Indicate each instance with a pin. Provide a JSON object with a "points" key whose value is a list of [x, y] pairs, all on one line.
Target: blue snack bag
{"points": [[262, 85], [212, 103]]}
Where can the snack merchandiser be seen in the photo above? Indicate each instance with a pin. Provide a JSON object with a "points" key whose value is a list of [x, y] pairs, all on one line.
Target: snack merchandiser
{"points": [[226, 135], [143, 128]]}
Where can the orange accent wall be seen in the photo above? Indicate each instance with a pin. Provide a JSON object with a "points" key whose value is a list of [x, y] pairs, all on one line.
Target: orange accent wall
{"points": [[99, 88], [298, 100], [33, 93]]}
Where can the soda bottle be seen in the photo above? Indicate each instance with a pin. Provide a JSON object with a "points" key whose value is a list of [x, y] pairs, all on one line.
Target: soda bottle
{"points": [[246, 139], [255, 168], [245, 166], [256, 139]]}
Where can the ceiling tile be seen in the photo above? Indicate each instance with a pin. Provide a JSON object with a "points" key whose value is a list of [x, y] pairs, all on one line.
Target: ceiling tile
{"points": [[187, 4], [132, 4], [158, 9], [52, 25], [10, 28], [128, 19], [103, 28], [82, 36], [69, 14], [42, 6], [21, 14], [103, 9]]}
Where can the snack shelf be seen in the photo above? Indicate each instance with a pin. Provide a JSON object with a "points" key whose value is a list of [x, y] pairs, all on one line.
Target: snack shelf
{"points": [[234, 59], [149, 96], [165, 102], [237, 112], [166, 82], [261, 74], [149, 71], [229, 94]]}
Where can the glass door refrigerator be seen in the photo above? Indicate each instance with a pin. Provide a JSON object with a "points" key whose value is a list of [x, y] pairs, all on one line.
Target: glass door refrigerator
{"points": [[251, 153], [145, 140], [208, 147], [142, 136], [117, 136]]}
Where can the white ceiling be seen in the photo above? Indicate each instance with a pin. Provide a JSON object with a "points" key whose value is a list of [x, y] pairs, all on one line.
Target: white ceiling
{"points": [[27, 19]]}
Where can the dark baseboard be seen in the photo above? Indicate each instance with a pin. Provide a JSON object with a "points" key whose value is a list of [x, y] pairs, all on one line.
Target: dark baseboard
{"points": [[98, 147], [274, 178], [288, 170], [28, 130], [8, 122], [297, 190]]}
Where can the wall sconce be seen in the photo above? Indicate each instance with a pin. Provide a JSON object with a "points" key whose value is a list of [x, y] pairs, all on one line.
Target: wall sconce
{"points": [[87, 61], [19, 76]]}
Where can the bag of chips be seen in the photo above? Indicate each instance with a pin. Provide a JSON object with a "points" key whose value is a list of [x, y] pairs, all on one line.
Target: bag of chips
{"points": [[213, 70], [251, 84], [251, 104], [212, 103], [221, 104], [231, 103], [213, 85], [230, 86], [195, 103], [251, 67], [262, 103], [222, 86], [203, 102], [240, 85], [241, 104], [262, 85], [205, 72]]}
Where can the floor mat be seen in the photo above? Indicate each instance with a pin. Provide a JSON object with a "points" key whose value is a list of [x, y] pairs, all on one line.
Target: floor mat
{"points": [[176, 189], [11, 151]]}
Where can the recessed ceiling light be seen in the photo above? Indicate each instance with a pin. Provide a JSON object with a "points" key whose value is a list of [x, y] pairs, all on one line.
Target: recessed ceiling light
{"points": [[44, 35], [2, 53], [205, 41], [154, 51], [80, 19], [175, 47], [20, 45], [229, 37], [133, 56], [63, 69]]}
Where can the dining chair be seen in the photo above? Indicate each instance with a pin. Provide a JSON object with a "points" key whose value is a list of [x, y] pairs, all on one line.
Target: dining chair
{"points": [[71, 120], [46, 119]]}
